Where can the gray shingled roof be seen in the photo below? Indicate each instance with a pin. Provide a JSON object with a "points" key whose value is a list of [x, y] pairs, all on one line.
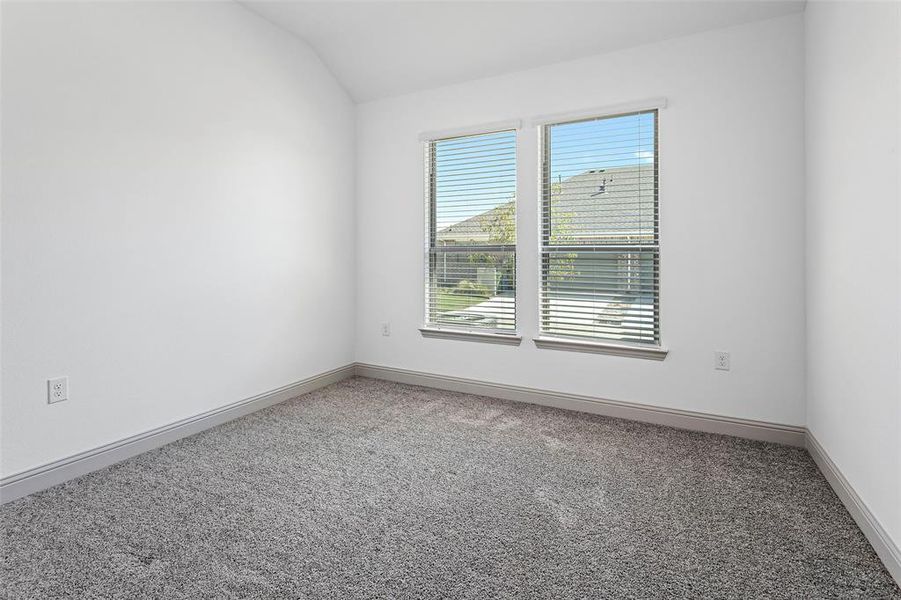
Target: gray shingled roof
{"points": [[616, 202], [610, 204]]}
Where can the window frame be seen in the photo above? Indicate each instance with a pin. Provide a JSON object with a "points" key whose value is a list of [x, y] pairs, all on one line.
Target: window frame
{"points": [[595, 344], [429, 328]]}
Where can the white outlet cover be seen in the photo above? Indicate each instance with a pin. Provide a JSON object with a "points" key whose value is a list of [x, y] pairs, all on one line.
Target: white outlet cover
{"points": [[386, 329], [57, 390], [721, 361]]}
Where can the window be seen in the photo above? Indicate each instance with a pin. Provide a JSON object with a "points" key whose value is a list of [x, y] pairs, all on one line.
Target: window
{"points": [[471, 230], [599, 230]]}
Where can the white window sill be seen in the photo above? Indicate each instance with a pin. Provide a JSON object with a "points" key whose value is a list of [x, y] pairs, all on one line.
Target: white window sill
{"points": [[633, 351], [511, 339]]}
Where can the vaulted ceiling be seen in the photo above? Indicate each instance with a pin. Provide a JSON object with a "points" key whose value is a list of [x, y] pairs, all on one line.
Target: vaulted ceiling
{"points": [[385, 48]]}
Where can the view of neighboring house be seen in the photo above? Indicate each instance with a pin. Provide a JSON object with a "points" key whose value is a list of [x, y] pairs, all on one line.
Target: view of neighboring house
{"points": [[595, 209]]}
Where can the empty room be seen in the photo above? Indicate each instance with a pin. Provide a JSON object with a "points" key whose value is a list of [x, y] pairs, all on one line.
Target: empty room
{"points": [[450, 299]]}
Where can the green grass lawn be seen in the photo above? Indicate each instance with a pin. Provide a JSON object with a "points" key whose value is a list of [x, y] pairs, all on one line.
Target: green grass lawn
{"points": [[447, 301]]}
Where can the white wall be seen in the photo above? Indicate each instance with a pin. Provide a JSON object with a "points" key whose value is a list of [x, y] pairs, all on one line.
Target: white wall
{"points": [[177, 189], [853, 255], [731, 168]]}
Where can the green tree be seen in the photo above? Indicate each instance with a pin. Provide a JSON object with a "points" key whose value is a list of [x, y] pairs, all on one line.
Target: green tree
{"points": [[500, 225], [562, 267]]}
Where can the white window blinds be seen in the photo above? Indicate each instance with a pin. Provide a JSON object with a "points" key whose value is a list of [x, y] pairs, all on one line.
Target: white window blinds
{"points": [[471, 232], [599, 229]]}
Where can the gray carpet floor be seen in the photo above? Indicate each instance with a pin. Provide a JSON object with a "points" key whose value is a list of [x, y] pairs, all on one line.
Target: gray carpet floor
{"points": [[368, 489]]}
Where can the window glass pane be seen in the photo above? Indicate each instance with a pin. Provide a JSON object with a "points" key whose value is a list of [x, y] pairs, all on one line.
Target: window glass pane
{"points": [[602, 180], [600, 294], [600, 254], [473, 289], [471, 262], [475, 188]]}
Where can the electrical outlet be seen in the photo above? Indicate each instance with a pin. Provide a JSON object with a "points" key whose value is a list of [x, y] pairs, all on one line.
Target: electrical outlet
{"points": [[721, 361], [386, 329], [57, 390]]}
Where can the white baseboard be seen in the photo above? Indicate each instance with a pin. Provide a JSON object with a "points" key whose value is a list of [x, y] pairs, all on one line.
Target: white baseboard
{"points": [[45, 476], [878, 537], [683, 419]]}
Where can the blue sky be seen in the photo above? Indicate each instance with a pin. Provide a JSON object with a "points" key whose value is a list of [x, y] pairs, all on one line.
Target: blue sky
{"points": [[601, 143], [477, 173]]}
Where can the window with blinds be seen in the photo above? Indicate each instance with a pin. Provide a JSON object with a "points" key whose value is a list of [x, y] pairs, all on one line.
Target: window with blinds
{"points": [[599, 229], [471, 230]]}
